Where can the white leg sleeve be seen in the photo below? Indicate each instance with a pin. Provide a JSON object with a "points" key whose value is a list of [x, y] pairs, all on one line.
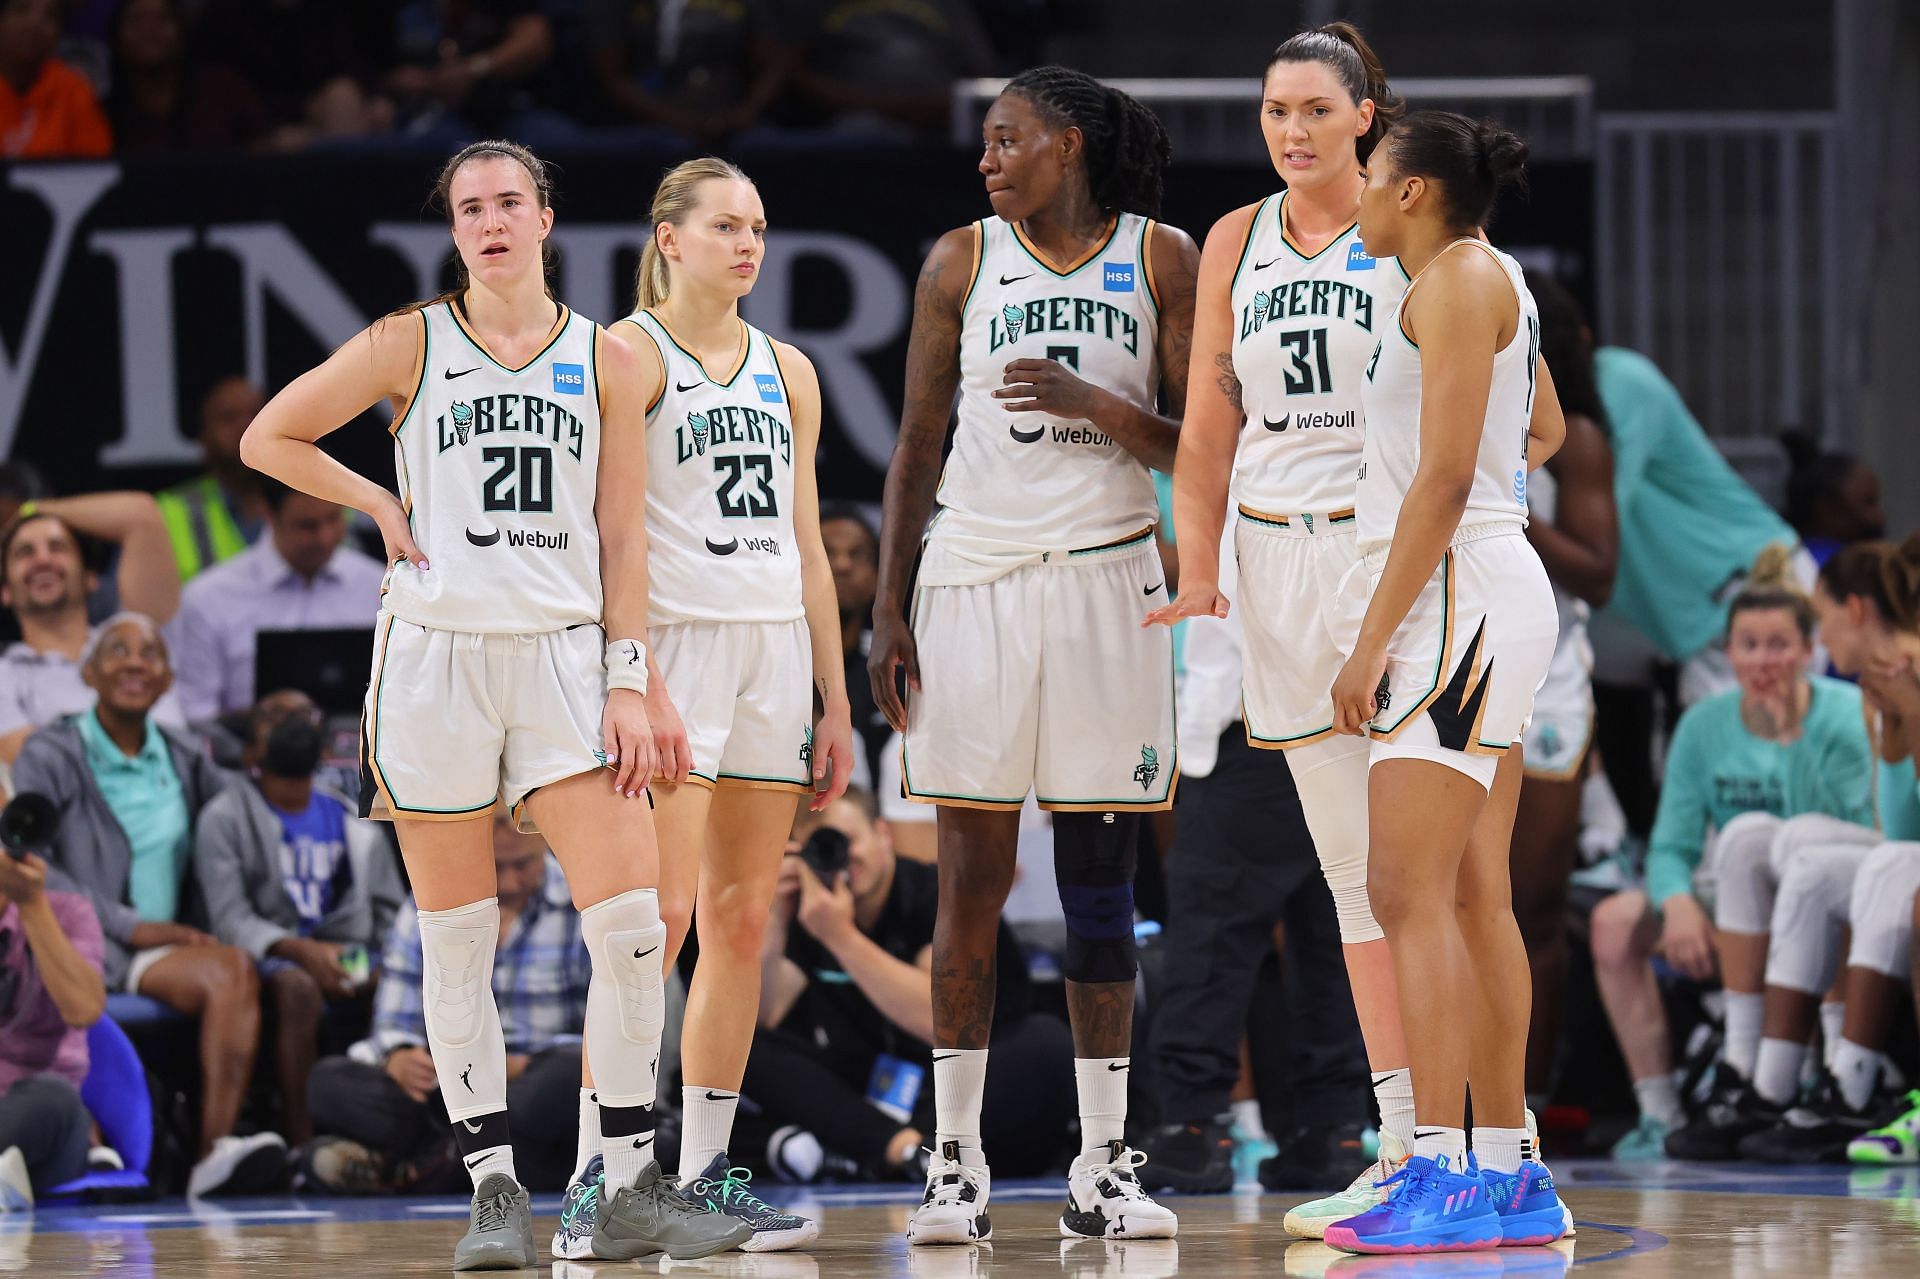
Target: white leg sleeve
{"points": [[463, 1023], [626, 1003], [1881, 912], [1745, 880], [1331, 775]]}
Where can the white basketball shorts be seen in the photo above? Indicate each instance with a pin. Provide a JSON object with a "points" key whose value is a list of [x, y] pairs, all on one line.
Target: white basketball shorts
{"points": [[744, 690], [1295, 641]]}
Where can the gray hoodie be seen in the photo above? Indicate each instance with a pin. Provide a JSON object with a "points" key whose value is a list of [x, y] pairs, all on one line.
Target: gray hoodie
{"points": [[91, 848], [236, 856]]}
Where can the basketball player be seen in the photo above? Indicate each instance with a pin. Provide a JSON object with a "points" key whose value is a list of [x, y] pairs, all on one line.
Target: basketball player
{"points": [[1573, 527], [504, 672], [1457, 632], [744, 627], [1289, 312], [1057, 320]]}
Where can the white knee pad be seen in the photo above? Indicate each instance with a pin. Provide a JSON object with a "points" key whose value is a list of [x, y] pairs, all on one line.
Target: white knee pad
{"points": [[463, 1022], [1809, 919], [1881, 912], [626, 1001], [1331, 776], [1741, 858]]}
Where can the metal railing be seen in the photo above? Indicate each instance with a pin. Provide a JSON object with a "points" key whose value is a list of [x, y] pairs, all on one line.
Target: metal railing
{"points": [[1718, 243], [1215, 119]]}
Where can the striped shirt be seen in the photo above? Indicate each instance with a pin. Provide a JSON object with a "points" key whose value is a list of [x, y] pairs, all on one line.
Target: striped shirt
{"points": [[540, 972]]}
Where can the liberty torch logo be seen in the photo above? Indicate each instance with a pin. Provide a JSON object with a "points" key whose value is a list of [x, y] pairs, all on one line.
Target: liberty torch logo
{"points": [[462, 419], [697, 425], [1148, 768], [1015, 318]]}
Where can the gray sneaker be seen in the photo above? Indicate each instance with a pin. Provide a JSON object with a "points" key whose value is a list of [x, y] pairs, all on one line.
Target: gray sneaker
{"points": [[500, 1231], [650, 1216]]}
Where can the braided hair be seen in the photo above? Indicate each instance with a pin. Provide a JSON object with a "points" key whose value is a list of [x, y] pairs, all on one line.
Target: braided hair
{"points": [[1125, 145]]}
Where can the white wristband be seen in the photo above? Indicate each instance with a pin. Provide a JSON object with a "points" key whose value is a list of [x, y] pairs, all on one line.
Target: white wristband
{"points": [[627, 665]]}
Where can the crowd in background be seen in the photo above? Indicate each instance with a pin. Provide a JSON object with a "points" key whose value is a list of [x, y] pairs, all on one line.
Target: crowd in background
{"points": [[99, 77]]}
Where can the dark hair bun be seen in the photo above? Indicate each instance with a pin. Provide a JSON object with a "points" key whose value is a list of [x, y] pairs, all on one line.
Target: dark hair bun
{"points": [[1505, 153]]}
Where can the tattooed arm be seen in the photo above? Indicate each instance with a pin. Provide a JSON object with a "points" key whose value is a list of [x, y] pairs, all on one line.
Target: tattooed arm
{"points": [[933, 374], [1050, 387], [1211, 427]]}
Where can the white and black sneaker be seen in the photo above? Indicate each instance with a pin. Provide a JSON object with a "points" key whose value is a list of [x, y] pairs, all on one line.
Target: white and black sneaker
{"points": [[1105, 1199], [954, 1210], [240, 1166]]}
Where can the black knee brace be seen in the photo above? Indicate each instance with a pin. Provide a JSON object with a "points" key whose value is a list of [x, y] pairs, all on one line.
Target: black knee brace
{"points": [[1093, 864]]}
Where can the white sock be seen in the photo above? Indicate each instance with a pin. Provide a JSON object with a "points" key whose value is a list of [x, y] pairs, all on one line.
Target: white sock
{"points": [[1744, 1015], [1659, 1098], [959, 1083], [1433, 1143], [1856, 1070], [587, 1144], [494, 1159], [706, 1124], [1833, 1021], [485, 1146], [1500, 1149], [1776, 1071], [1247, 1115], [1393, 1092], [1102, 1083]]}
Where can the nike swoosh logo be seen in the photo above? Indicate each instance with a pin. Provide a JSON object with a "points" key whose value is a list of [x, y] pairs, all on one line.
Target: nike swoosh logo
{"points": [[1261, 266], [1426, 1132], [642, 954], [1014, 279], [1151, 589], [1026, 437], [1115, 1066], [691, 386], [483, 539], [948, 1057], [1271, 425], [1381, 1079], [641, 1142], [469, 1125], [723, 1096], [474, 1162], [450, 374]]}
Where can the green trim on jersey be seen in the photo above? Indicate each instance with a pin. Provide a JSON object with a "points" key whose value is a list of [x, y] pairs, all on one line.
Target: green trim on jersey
{"points": [[1291, 737], [420, 385], [461, 325], [1246, 249], [755, 777], [1093, 255], [1280, 223], [746, 352]]}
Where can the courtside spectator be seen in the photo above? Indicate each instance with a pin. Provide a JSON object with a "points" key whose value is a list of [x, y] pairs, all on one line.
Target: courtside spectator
{"points": [[300, 576], [215, 515], [45, 582], [47, 109], [50, 992], [294, 878], [163, 100], [853, 552], [129, 793]]}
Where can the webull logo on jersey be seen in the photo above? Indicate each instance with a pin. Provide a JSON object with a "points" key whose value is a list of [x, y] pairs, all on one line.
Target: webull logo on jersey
{"points": [[731, 424], [1306, 298], [1089, 317], [1312, 421], [510, 413]]}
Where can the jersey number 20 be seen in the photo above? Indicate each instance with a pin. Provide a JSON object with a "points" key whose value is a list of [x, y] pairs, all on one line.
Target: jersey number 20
{"points": [[522, 479], [737, 501]]}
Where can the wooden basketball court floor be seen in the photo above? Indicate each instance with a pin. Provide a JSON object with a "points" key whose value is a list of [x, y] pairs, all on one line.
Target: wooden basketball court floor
{"points": [[1677, 1221]]}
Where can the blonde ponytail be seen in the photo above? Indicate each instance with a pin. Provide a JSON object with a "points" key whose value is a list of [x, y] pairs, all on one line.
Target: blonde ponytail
{"points": [[673, 199], [1770, 584]]}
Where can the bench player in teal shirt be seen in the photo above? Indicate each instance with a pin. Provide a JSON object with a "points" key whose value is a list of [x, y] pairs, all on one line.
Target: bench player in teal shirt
{"points": [[1783, 743]]}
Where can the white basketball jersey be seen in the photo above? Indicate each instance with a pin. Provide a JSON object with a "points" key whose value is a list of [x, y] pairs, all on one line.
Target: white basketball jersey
{"points": [[498, 469], [720, 488], [1392, 452], [1304, 328], [1019, 484]]}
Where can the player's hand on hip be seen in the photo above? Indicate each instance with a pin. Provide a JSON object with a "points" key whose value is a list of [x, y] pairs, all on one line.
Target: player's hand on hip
{"points": [[893, 646], [1356, 693], [1046, 386], [397, 532], [832, 757], [673, 754], [1196, 599], [628, 740]]}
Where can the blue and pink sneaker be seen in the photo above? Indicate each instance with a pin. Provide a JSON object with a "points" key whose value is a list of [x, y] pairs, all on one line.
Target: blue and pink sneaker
{"points": [[1429, 1208], [1530, 1211]]}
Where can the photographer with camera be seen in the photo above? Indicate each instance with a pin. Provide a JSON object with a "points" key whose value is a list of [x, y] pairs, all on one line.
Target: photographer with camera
{"points": [[296, 879], [50, 992], [846, 1014]]}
